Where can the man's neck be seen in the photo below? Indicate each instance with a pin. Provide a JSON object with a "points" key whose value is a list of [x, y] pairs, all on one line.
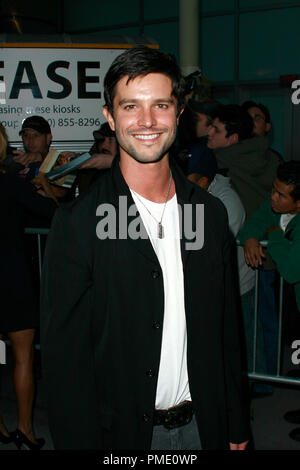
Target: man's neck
{"points": [[150, 180], [224, 148], [295, 212]]}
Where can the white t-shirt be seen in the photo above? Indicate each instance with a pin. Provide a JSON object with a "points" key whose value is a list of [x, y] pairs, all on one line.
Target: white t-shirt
{"points": [[172, 385], [221, 188], [285, 219]]}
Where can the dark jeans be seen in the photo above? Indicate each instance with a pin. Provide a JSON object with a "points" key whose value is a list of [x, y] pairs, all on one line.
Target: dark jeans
{"points": [[269, 318], [182, 438]]}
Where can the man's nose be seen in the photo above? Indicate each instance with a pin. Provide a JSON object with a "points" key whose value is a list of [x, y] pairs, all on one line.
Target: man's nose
{"points": [[273, 195], [147, 117]]}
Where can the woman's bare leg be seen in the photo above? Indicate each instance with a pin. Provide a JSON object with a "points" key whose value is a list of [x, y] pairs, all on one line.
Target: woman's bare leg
{"points": [[22, 344]]}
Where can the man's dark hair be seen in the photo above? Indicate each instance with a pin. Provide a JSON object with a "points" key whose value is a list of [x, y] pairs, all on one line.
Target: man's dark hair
{"points": [[289, 173], [236, 120], [140, 61], [251, 104], [188, 120]]}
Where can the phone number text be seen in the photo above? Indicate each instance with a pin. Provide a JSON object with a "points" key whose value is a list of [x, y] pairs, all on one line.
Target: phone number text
{"points": [[70, 122]]}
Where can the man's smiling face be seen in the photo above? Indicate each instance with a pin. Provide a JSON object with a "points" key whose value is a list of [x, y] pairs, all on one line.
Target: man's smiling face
{"points": [[144, 117], [281, 200]]}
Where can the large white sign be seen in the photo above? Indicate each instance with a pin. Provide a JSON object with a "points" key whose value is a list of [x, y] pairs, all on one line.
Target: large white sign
{"points": [[65, 86]]}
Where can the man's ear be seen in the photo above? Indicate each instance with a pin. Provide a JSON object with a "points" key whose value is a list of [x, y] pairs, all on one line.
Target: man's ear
{"points": [[298, 205], [179, 114], [109, 118], [49, 138], [268, 126], [233, 138]]}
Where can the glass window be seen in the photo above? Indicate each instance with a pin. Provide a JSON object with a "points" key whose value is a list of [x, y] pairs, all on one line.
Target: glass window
{"points": [[261, 3], [211, 6], [217, 48], [223, 96], [166, 35], [160, 9], [119, 32], [94, 13], [269, 44]]}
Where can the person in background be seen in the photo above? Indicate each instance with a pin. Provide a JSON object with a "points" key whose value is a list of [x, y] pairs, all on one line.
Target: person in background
{"points": [[205, 174], [261, 121], [195, 121], [193, 130], [261, 117], [19, 301], [36, 136], [278, 221], [251, 167], [105, 142], [103, 151]]}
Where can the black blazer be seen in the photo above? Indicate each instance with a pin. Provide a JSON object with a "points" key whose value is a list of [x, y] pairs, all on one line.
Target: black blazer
{"points": [[102, 307]]}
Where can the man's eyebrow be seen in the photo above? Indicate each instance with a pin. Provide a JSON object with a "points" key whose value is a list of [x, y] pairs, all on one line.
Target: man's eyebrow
{"points": [[165, 100], [157, 100], [276, 189]]}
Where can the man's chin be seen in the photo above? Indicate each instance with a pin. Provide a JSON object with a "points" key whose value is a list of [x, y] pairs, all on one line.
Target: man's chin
{"points": [[153, 159], [143, 157], [275, 210]]}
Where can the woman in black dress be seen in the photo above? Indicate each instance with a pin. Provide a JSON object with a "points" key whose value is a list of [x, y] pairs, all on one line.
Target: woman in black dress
{"points": [[19, 303]]}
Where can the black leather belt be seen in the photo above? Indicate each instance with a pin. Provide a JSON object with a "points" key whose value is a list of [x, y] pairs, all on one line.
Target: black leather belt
{"points": [[174, 417]]}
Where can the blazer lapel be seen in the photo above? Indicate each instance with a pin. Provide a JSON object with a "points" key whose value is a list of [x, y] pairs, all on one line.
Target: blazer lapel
{"points": [[129, 221], [187, 212]]}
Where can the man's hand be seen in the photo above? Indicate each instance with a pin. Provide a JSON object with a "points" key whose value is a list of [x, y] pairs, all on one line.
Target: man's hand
{"points": [[241, 446], [99, 161], [253, 252], [25, 158], [65, 157], [44, 187], [272, 228]]}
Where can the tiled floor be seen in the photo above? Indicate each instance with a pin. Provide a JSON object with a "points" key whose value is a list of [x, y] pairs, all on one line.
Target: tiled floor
{"points": [[270, 431]]}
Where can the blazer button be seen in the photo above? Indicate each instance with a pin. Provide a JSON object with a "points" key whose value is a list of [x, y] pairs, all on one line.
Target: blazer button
{"points": [[156, 325], [155, 274], [146, 418], [150, 373]]}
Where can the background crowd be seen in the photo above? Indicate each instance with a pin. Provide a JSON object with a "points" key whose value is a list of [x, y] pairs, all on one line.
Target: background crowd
{"points": [[225, 150]]}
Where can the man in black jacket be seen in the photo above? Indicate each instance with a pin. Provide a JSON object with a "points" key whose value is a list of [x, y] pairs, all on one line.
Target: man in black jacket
{"points": [[139, 338]]}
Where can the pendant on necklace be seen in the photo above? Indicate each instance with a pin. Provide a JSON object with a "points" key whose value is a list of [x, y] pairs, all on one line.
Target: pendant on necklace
{"points": [[160, 230]]}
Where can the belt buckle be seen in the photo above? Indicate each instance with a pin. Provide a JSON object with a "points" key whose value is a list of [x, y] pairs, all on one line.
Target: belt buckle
{"points": [[169, 422], [178, 417]]}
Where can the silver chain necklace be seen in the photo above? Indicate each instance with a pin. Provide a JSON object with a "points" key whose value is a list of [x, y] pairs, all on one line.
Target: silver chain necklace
{"points": [[160, 229]]}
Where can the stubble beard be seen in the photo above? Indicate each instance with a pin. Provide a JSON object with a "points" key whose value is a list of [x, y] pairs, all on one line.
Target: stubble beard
{"points": [[145, 157]]}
